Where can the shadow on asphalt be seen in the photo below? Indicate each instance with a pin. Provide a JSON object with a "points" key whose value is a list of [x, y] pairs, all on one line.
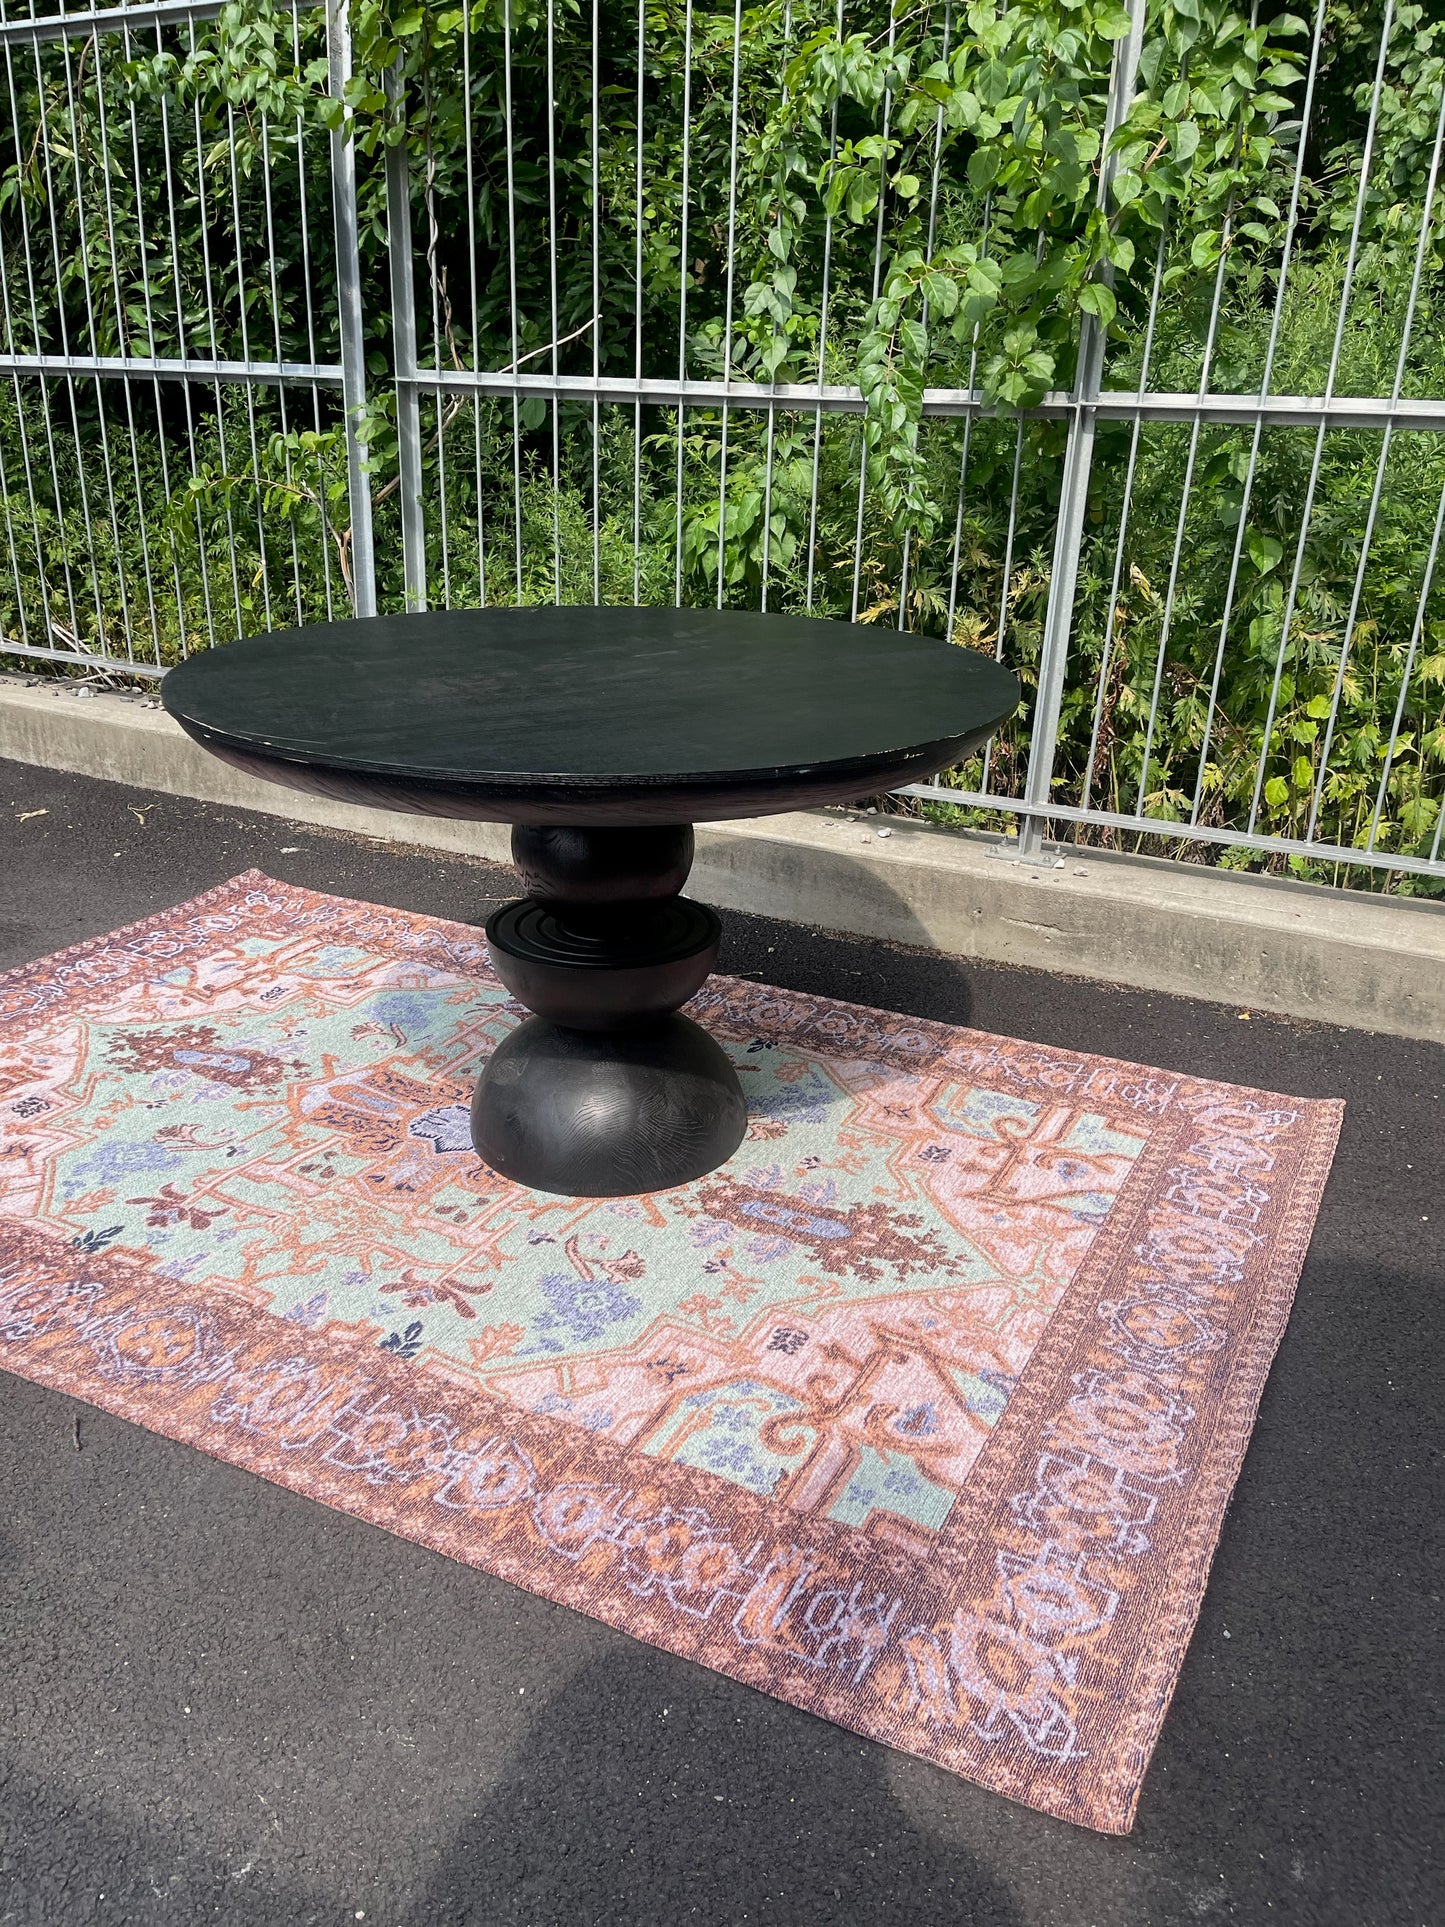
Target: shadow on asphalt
{"points": [[702, 1811]]}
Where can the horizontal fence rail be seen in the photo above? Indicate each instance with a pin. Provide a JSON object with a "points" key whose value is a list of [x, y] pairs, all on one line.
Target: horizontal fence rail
{"points": [[635, 306], [1110, 404], [157, 368], [82, 23]]}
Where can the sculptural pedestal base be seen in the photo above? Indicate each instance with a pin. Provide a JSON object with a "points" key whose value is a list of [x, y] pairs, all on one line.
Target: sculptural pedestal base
{"points": [[605, 1091]]}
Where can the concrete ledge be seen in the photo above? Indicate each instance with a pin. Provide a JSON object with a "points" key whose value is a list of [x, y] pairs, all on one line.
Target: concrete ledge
{"points": [[1297, 949]]}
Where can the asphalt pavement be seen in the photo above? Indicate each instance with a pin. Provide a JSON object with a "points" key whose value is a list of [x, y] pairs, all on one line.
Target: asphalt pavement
{"points": [[223, 1702]]}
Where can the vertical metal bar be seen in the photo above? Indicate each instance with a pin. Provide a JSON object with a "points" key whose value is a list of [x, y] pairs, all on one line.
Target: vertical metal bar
{"points": [[637, 314], [12, 344], [1106, 651], [1195, 429], [137, 182], [682, 265], [1309, 502], [1073, 499], [14, 555], [4, 474], [877, 278], [209, 284], [11, 348], [932, 232], [353, 334], [123, 339], [1008, 564], [1416, 632], [51, 200], [202, 552], [967, 439], [512, 278], [403, 328], [476, 306], [822, 346], [722, 486], [556, 406], [248, 388], [305, 220], [279, 352], [76, 145], [768, 503], [938, 138], [596, 311], [441, 324], [772, 412]]}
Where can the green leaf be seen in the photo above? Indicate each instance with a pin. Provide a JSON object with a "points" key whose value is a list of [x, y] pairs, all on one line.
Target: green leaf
{"points": [[940, 291], [983, 166], [1264, 552], [1204, 250], [913, 338], [975, 306], [773, 356], [1018, 270], [862, 198], [965, 108], [1111, 21], [1097, 300], [1276, 792]]}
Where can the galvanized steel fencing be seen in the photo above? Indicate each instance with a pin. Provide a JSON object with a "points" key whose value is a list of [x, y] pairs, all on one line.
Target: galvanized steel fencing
{"points": [[219, 421]]}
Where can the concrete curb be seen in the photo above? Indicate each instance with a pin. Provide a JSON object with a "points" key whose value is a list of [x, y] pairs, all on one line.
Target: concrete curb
{"points": [[1297, 949]]}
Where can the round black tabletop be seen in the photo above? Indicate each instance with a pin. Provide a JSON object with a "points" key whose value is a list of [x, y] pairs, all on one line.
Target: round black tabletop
{"points": [[591, 715]]}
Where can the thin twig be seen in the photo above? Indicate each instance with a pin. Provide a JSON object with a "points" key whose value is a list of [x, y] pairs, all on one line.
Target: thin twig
{"points": [[459, 402]]}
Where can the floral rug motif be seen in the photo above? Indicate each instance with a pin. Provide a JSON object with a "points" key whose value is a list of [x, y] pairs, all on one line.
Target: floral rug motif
{"points": [[921, 1413]]}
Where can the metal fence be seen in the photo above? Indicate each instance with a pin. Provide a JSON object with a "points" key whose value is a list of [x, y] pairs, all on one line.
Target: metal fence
{"points": [[494, 335]]}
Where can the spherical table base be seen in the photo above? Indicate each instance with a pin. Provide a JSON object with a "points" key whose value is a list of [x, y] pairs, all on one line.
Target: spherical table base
{"points": [[607, 1114], [605, 1092]]}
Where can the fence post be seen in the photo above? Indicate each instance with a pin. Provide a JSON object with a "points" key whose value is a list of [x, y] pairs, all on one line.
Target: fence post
{"points": [[403, 334], [348, 301], [1073, 501]]}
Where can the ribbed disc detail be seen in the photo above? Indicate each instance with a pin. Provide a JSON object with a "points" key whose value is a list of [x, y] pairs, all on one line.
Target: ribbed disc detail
{"points": [[647, 933]]}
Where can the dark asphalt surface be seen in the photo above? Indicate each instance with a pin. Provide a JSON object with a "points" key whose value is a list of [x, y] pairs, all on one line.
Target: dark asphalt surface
{"points": [[221, 1702]]}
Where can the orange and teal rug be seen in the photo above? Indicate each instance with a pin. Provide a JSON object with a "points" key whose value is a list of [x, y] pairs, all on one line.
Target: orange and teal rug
{"points": [[921, 1413]]}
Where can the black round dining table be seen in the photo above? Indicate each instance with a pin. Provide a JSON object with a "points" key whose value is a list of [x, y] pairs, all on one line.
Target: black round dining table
{"points": [[602, 735]]}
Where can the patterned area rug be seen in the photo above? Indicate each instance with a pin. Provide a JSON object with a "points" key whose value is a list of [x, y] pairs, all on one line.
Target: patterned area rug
{"points": [[922, 1413]]}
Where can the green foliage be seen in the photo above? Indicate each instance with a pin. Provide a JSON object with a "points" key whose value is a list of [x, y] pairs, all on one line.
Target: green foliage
{"points": [[929, 198]]}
